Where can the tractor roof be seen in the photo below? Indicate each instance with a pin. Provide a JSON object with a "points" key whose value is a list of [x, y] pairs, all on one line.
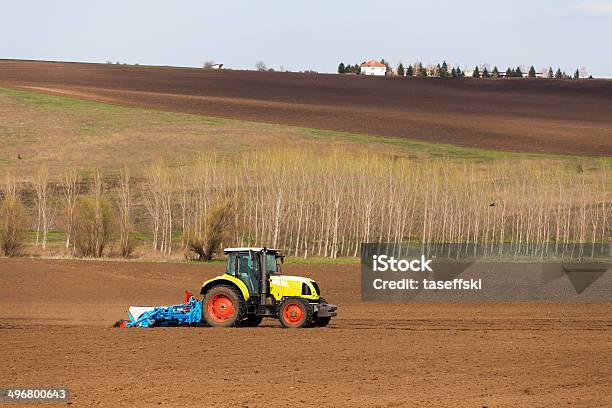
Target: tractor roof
{"points": [[254, 249]]}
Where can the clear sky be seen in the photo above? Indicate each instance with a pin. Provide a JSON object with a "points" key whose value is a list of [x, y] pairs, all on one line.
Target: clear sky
{"points": [[314, 34]]}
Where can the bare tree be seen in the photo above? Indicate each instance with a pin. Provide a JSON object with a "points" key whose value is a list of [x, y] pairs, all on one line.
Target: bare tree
{"points": [[184, 173], [261, 66], [43, 203], [70, 191], [93, 221], [12, 219], [157, 194], [98, 214], [151, 193], [126, 244]]}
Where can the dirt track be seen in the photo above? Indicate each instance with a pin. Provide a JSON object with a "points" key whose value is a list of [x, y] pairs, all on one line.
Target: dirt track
{"points": [[55, 330], [553, 116]]}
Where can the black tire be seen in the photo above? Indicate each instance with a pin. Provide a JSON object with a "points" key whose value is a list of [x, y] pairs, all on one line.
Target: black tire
{"points": [[295, 313], [251, 321], [120, 323], [320, 321], [216, 303]]}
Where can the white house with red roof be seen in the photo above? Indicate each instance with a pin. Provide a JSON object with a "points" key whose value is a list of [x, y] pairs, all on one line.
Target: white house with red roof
{"points": [[373, 68]]}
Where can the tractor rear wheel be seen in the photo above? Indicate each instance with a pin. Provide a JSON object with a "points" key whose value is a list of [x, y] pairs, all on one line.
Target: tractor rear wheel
{"points": [[223, 306], [295, 313]]}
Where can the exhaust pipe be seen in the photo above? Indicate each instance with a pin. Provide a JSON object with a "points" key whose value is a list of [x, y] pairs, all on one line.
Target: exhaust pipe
{"points": [[264, 276]]}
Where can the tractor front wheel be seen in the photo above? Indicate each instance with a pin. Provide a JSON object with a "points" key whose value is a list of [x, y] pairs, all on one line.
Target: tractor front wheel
{"points": [[295, 313], [223, 307]]}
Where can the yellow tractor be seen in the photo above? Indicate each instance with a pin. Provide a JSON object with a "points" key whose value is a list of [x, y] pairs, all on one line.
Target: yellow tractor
{"points": [[253, 287]]}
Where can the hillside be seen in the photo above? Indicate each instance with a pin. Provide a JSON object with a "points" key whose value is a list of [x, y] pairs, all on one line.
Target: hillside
{"points": [[548, 116], [39, 129]]}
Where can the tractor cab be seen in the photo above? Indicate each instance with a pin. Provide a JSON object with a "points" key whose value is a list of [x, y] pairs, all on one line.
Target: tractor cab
{"points": [[245, 265]]}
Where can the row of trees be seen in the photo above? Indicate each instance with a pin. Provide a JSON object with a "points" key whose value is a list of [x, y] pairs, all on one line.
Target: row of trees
{"points": [[349, 69], [518, 73], [443, 70], [87, 219], [439, 70], [314, 205]]}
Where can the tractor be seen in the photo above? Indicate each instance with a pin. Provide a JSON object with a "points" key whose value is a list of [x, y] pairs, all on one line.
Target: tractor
{"points": [[253, 287]]}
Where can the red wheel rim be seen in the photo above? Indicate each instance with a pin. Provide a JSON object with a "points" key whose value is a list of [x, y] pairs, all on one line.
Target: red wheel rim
{"points": [[293, 313], [220, 307]]}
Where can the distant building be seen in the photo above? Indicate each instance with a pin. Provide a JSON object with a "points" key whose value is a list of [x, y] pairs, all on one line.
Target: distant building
{"points": [[216, 66], [538, 75], [373, 68]]}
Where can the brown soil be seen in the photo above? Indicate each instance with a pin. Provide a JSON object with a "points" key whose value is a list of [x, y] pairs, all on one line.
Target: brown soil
{"points": [[55, 330], [552, 116]]}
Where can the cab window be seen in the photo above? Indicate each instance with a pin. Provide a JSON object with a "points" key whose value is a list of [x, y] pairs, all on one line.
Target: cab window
{"points": [[272, 266], [248, 271], [231, 265]]}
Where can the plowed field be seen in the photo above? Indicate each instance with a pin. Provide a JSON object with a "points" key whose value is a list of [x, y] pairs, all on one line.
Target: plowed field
{"points": [[549, 116], [55, 330]]}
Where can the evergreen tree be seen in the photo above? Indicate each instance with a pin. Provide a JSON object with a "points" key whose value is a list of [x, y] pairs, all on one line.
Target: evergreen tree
{"points": [[532, 73], [341, 68], [382, 61], [460, 73], [577, 74], [436, 72], [558, 74], [495, 72], [422, 71], [444, 70], [509, 73], [476, 73], [550, 73], [453, 72], [400, 69], [409, 71], [357, 69], [518, 73], [485, 73]]}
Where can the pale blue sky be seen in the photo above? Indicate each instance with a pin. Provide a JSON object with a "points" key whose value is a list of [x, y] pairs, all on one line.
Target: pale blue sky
{"points": [[314, 34]]}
